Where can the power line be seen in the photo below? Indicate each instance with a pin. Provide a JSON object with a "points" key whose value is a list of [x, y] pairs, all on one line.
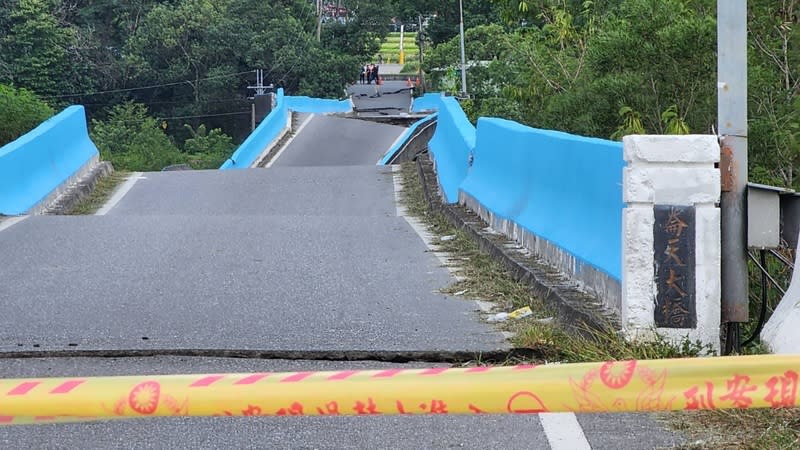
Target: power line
{"points": [[160, 119], [178, 102], [112, 91], [205, 115]]}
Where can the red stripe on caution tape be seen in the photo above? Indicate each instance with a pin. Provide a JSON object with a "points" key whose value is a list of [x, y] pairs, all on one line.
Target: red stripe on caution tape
{"points": [[252, 379], [207, 381], [299, 376], [343, 375], [24, 388], [66, 387]]}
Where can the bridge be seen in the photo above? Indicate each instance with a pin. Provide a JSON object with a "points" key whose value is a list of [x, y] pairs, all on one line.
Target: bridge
{"points": [[300, 256]]}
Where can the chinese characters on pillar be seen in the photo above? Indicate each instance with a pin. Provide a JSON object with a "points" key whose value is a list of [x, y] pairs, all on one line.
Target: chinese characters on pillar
{"points": [[674, 246]]}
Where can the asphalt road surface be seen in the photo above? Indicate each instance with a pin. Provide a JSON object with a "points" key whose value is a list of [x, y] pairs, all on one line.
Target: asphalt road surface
{"points": [[308, 255]]}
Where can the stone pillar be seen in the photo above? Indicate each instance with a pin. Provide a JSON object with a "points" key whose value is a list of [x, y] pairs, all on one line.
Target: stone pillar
{"points": [[671, 239]]}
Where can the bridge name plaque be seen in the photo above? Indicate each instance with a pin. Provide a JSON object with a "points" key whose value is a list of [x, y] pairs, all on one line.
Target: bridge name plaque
{"points": [[674, 246]]}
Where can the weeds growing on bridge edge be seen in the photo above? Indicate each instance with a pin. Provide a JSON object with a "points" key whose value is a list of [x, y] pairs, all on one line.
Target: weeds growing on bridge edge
{"points": [[485, 279], [103, 189]]}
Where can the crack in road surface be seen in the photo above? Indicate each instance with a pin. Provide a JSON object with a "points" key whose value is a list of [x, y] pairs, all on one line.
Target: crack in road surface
{"points": [[450, 357]]}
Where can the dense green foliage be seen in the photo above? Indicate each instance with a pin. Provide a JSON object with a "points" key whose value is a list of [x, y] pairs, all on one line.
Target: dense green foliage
{"points": [[20, 112], [594, 67], [608, 68], [132, 140], [188, 61]]}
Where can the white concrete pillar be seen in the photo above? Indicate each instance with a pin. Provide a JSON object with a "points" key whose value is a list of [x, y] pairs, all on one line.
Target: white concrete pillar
{"points": [[672, 172]]}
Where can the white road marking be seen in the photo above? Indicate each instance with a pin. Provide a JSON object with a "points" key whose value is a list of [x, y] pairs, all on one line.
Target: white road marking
{"points": [[286, 145], [418, 226], [11, 221], [563, 431], [119, 193]]}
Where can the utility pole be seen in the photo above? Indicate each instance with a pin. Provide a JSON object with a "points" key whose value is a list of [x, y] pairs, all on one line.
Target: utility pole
{"points": [[463, 58], [732, 117], [262, 100], [319, 20], [402, 57], [421, 45]]}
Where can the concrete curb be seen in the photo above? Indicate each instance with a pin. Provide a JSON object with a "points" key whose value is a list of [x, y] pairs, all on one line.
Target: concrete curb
{"points": [[273, 147], [574, 307], [75, 189]]}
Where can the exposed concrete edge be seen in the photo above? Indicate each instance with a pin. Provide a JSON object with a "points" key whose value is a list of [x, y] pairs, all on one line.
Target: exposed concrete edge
{"points": [[574, 307], [415, 143], [275, 144], [587, 277], [73, 189]]}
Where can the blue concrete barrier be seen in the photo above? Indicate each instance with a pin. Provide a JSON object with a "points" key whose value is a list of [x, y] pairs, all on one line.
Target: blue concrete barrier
{"points": [[403, 139], [266, 132], [428, 102], [318, 105], [564, 188], [451, 147], [37, 163]]}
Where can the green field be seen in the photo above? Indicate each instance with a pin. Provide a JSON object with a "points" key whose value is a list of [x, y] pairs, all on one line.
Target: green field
{"points": [[390, 48]]}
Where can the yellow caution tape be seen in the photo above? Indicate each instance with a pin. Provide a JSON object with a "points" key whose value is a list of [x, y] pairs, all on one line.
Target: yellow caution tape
{"points": [[676, 384]]}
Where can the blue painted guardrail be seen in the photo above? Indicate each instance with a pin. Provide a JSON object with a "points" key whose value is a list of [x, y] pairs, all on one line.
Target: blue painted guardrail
{"points": [[318, 105], [451, 145], [269, 129], [564, 188], [403, 139], [34, 165], [276, 121], [428, 102]]}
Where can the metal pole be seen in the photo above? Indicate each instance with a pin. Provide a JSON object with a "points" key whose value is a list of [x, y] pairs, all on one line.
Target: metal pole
{"points": [[402, 58], [319, 20], [732, 117], [463, 58], [421, 38]]}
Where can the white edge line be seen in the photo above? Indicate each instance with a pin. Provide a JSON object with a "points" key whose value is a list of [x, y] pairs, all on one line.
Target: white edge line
{"points": [[119, 194], [563, 431], [286, 145], [11, 221], [391, 147], [416, 224]]}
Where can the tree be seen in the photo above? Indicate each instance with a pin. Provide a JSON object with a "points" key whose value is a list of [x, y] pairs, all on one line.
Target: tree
{"points": [[20, 112], [207, 149], [38, 50], [774, 91], [132, 140], [182, 43]]}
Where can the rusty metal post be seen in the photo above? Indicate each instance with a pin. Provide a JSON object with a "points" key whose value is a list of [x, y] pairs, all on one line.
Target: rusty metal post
{"points": [[732, 117]]}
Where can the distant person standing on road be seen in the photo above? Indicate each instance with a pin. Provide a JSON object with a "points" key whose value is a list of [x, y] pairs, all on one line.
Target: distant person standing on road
{"points": [[370, 71], [378, 83], [375, 75], [380, 59], [363, 77]]}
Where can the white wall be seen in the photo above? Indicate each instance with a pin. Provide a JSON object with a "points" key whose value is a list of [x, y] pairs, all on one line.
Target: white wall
{"points": [[782, 331], [670, 170]]}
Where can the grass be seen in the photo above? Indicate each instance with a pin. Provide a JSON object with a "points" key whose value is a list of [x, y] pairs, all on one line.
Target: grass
{"points": [[390, 48], [759, 429], [410, 68], [102, 191], [485, 279]]}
